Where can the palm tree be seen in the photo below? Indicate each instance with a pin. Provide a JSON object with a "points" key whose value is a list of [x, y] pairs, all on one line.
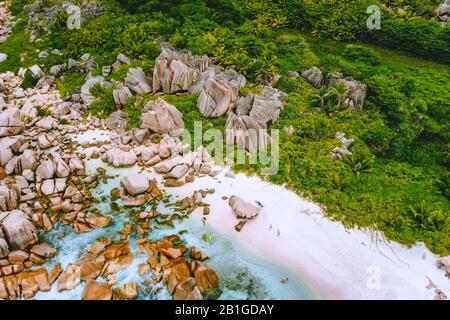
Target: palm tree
{"points": [[339, 90], [321, 97]]}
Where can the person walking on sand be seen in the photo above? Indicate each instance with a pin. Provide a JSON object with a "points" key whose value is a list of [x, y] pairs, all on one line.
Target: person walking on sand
{"points": [[278, 232], [270, 227]]}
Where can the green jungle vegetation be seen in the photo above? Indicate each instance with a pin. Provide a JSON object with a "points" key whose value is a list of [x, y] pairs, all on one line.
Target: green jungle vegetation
{"points": [[397, 180]]}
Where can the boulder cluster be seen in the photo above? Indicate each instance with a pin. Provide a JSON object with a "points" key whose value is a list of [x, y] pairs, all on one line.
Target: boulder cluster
{"points": [[356, 90], [247, 126], [102, 259], [185, 279]]}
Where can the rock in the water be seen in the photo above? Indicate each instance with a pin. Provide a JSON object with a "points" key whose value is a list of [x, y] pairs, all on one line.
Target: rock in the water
{"points": [[97, 291], [126, 291], [46, 170], [187, 290], [161, 117], [70, 278], [243, 209], [91, 266], [444, 262], [135, 184], [205, 277], [19, 232], [240, 225], [173, 183], [196, 254], [44, 250], [18, 256]]}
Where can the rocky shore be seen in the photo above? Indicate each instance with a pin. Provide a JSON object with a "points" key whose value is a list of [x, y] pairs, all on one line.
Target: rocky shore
{"points": [[45, 182]]}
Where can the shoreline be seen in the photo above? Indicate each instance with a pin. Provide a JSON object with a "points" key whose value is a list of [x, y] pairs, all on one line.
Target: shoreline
{"points": [[334, 262]]}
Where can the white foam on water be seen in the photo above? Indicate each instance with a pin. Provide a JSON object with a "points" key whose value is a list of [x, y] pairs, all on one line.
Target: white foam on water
{"points": [[241, 274], [319, 257]]}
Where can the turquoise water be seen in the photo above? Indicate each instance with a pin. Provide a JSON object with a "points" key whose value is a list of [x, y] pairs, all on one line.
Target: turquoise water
{"points": [[241, 274]]}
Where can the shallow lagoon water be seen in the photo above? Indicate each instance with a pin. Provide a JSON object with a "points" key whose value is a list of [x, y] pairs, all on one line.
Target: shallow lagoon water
{"points": [[241, 274]]}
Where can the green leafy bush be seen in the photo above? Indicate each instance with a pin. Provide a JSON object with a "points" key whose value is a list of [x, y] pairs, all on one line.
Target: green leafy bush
{"points": [[423, 38], [361, 53]]}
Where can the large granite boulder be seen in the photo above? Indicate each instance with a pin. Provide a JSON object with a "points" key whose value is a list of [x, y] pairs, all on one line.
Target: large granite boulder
{"points": [[246, 132], [117, 120], [70, 278], [120, 158], [176, 70], [85, 93], [135, 184], [220, 93], [26, 161], [61, 167], [9, 197], [443, 11], [10, 122], [46, 169], [243, 209], [205, 277], [46, 141], [161, 117], [266, 108], [5, 156], [187, 290], [314, 76], [19, 232], [136, 81]]}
